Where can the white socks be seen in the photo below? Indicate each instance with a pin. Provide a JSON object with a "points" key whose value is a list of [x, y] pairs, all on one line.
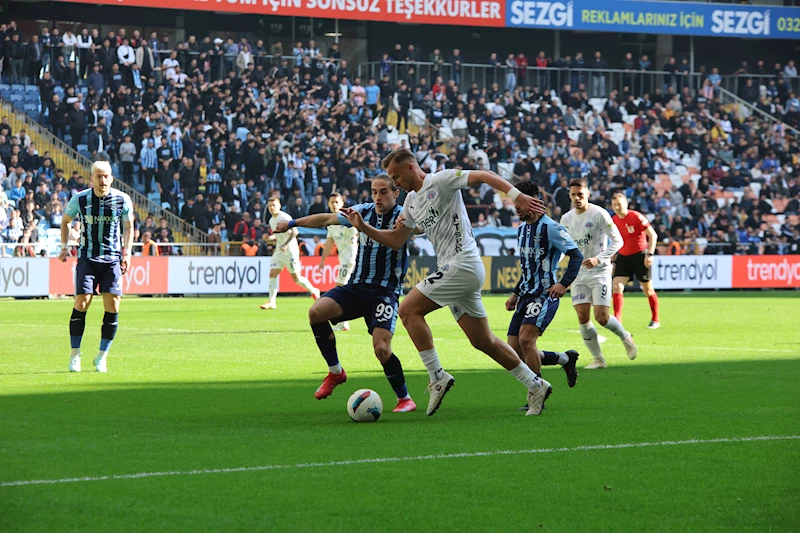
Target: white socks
{"points": [[589, 334], [273, 290], [615, 326], [303, 282], [74, 352], [335, 369], [526, 376], [563, 358], [431, 361]]}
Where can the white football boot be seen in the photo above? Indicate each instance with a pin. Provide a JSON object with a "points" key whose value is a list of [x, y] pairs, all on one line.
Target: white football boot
{"points": [[437, 390], [537, 398], [75, 363], [597, 363], [100, 363], [630, 347]]}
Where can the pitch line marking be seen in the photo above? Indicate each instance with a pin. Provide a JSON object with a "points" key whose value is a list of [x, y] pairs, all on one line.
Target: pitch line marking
{"points": [[378, 460]]}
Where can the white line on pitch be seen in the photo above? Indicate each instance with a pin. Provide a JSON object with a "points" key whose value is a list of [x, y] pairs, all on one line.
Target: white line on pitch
{"points": [[378, 460]]}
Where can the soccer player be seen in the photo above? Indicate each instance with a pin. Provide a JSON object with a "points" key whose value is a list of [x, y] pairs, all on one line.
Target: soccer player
{"points": [[434, 203], [598, 239], [106, 217], [535, 299], [346, 240], [287, 255], [636, 256], [372, 292]]}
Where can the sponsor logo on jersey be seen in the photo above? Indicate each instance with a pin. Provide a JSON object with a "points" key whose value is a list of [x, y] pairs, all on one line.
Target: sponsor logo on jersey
{"points": [[458, 173], [95, 219], [458, 236], [430, 220], [532, 251], [589, 225], [585, 241], [431, 195]]}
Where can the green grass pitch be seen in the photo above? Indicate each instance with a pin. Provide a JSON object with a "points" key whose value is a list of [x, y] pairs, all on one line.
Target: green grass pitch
{"points": [[198, 385]]}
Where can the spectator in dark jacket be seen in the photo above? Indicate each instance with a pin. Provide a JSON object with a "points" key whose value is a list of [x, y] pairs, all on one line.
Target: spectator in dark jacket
{"points": [[76, 120]]}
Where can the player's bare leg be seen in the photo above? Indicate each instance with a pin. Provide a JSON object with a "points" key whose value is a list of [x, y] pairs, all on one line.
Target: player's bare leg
{"points": [[617, 290], [344, 325], [590, 337], [319, 316], [652, 299], [303, 282], [482, 338], [77, 324], [109, 330], [273, 290], [413, 310], [393, 369], [604, 318]]}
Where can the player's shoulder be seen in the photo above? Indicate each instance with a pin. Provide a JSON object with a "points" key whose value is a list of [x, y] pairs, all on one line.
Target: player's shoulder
{"points": [[83, 194], [121, 194], [282, 216]]}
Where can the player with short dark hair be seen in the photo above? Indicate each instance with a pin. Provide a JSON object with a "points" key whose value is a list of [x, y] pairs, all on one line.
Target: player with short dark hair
{"points": [[371, 292], [345, 238], [287, 255], [435, 205], [106, 217], [535, 299], [598, 239], [635, 257]]}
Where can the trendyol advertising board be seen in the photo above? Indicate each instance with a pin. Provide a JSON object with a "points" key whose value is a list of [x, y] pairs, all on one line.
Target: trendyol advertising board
{"points": [[21, 276], [670, 18]]}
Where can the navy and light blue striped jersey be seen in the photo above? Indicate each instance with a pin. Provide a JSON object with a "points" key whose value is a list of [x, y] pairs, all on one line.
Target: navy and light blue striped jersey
{"points": [[541, 244], [101, 223], [377, 264]]}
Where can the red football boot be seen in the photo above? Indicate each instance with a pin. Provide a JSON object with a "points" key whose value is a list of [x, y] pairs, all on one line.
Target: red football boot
{"points": [[330, 382]]}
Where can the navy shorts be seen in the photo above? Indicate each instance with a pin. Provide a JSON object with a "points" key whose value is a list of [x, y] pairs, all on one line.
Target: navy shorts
{"points": [[91, 275], [535, 310], [378, 305]]}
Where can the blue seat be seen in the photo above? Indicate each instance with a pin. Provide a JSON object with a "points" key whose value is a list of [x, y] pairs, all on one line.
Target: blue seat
{"points": [[5, 93], [32, 97], [84, 90], [16, 98], [59, 91], [32, 89], [5, 87], [85, 153], [83, 147], [32, 112], [16, 87]]}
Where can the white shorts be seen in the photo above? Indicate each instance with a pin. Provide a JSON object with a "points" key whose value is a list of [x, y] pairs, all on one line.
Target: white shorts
{"points": [[457, 286], [345, 271], [594, 289], [291, 262]]}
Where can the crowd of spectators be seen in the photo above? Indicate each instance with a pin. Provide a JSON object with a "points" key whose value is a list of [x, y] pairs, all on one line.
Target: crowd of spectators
{"points": [[216, 127]]}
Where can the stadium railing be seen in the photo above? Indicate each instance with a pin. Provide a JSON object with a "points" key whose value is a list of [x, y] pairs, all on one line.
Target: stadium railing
{"points": [[745, 110], [735, 82], [548, 77], [64, 157]]}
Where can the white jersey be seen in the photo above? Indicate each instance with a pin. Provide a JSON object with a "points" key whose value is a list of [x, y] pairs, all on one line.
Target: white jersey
{"points": [[284, 238], [596, 236], [439, 210], [346, 241]]}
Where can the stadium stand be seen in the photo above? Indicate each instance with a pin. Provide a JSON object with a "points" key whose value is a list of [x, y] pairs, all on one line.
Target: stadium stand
{"points": [[711, 160]]}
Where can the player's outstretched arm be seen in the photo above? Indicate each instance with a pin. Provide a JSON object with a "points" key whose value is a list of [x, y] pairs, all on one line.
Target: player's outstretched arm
{"points": [[393, 238], [65, 222], [523, 201], [312, 221]]}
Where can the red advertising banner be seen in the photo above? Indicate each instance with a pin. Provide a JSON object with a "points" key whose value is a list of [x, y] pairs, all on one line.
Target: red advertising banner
{"points": [[324, 279], [146, 275], [452, 12], [766, 271]]}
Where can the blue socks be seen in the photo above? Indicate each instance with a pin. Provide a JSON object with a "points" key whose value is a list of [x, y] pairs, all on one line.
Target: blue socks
{"points": [[77, 323], [108, 330]]}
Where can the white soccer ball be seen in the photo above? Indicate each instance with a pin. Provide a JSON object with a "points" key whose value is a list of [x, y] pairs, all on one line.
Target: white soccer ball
{"points": [[365, 406]]}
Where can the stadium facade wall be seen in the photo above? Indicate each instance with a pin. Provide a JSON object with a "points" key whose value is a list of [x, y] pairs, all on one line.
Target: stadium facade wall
{"points": [[33, 277]]}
